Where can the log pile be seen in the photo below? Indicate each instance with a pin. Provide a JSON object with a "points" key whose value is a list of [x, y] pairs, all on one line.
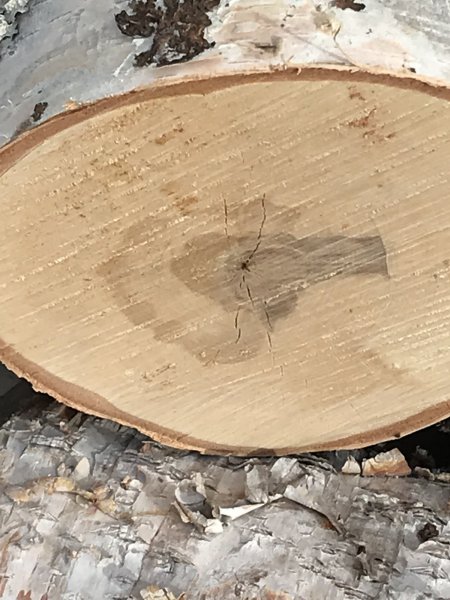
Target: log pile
{"points": [[94, 509]]}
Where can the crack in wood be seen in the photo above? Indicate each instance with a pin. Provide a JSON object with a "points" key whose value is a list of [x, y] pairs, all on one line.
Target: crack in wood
{"points": [[225, 211], [236, 325], [259, 238], [245, 267]]}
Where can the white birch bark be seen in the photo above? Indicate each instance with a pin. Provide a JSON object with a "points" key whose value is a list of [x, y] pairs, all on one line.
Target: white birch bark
{"points": [[72, 51], [86, 512]]}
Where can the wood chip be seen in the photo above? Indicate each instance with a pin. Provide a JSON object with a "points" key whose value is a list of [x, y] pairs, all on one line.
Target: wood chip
{"points": [[351, 466], [391, 464], [82, 470]]}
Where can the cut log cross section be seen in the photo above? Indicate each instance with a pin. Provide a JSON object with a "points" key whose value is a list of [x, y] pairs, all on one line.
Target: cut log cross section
{"points": [[244, 264]]}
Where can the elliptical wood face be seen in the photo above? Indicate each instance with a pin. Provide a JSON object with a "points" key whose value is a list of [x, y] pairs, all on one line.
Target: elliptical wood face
{"points": [[247, 264]]}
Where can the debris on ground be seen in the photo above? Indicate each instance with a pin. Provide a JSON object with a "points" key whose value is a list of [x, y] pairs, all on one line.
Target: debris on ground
{"points": [[391, 463], [351, 466], [10, 13]]}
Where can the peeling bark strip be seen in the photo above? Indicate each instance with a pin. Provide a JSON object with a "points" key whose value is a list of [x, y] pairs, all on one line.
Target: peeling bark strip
{"points": [[177, 27]]}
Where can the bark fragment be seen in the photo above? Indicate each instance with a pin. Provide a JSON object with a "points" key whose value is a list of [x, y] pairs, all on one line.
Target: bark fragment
{"points": [[177, 29]]}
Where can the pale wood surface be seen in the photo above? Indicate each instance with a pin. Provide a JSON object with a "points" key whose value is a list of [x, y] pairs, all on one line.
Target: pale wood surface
{"points": [[248, 265]]}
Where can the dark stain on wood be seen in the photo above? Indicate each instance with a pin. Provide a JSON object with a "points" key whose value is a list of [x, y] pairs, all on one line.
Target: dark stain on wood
{"points": [[129, 289], [269, 282], [131, 286], [254, 280]]}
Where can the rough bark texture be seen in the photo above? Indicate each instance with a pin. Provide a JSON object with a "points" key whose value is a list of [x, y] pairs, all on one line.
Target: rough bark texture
{"points": [[72, 51], [87, 512]]}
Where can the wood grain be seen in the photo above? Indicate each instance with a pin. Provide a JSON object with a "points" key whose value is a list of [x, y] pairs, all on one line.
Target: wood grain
{"points": [[253, 264]]}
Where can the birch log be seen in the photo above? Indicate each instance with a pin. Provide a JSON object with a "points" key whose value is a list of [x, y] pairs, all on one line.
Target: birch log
{"points": [[248, 255]]}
